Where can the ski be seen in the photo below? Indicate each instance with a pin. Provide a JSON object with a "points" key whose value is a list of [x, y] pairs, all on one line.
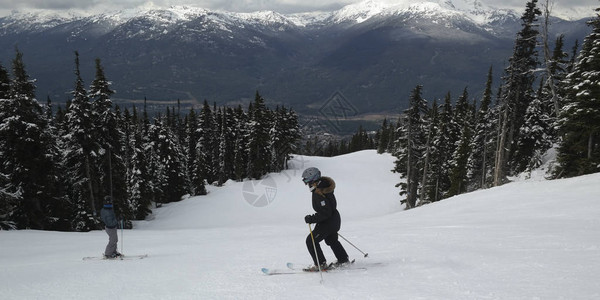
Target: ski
{"points": [[348, 266], [268, 271], [122, 257], [292, 269]]}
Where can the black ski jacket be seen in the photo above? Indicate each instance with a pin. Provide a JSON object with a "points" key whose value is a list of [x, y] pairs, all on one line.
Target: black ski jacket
{"points": [[325, 205]]}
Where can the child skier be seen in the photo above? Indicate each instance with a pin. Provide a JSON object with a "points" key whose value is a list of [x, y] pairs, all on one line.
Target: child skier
{"points": [[326, 217], [107, 215]]}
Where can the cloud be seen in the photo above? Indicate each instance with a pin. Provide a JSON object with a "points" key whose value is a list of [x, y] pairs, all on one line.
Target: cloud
{"points": [[52, 4], [95, 6], [282, 6]]}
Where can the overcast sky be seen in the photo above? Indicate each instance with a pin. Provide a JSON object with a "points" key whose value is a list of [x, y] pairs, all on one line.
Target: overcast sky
{"points": [[282, 6]]}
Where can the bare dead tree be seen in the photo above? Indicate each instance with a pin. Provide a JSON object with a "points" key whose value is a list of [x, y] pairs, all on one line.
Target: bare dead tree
{"points": [[547, 55]]}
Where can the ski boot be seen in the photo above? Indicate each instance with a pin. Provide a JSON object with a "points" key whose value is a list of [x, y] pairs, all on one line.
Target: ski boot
{"points": [[315, 268], [340, 264]]}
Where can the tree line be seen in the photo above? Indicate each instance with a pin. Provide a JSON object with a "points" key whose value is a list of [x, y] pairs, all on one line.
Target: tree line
{"points": [[56, 167], [445, 149]]}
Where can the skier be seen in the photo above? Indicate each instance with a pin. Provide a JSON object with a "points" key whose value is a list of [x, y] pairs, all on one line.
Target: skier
{"points": [[107, 215], [326, 217]]}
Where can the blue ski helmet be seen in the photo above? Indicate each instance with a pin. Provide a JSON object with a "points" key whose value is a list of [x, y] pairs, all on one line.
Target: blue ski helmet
{"points": [[311, 174]]}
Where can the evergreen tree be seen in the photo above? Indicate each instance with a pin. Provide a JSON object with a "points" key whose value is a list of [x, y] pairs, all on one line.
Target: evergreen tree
{"points": [[412, 145], [227, 146], [8, 198], [8, 202], [25, 145], [109, 161], [429, 182], [517, 92], [579, 151], [79, 150], [4, 84], [360, 141], [462, 110], [139, 178], [573, 60], [277, 142], [132, 191], [258, 142], [558, 68], [291, 135], [463, 115], [240, 157], [459, 171], [480, 160], [285, 137], [445, 144], [553, 91], [534, 138], [171, 172], [383, 137], [59, 209], [207, 142], [195, 158]]}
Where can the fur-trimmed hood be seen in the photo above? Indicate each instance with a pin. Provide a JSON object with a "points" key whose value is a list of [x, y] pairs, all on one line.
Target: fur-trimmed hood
{"points": [[325, 185]]}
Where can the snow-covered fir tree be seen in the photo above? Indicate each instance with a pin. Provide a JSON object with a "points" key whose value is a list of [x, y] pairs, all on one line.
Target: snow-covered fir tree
{"points": [[4, 83], [258, 138], [196, 172], [109, 161], [579, 151], [412, 138], [240, 157], [25, 144], [8, 198], [449, 132], [480, 159], [517, 92], [207, 143], [460, 156], [430, 164], [226, 146], [140, 183], [383, 137], [534, 138], [284, 135], [170, 172], [80, 151]]}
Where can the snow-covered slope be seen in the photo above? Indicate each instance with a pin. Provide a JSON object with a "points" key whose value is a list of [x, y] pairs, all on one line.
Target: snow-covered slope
{"points": [[533, 239], [363, 192], [472, 10]]}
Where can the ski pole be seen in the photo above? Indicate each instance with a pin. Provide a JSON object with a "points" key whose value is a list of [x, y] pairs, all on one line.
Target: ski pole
{"points": [[316, 255], [365, 254], [122, 236]]}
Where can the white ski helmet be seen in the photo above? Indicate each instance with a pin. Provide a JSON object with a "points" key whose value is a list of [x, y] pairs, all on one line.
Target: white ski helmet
{"points": [[311, 174]]}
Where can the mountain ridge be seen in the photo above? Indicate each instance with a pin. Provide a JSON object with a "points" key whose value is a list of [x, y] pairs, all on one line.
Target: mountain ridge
{"points": [[372, 53], [356, 13]]}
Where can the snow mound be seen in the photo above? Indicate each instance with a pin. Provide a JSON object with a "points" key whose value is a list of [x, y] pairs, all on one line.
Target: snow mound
{"points": [[365, 188]]}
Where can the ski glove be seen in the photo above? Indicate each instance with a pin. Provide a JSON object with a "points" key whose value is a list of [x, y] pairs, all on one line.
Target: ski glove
{"points": [[309, 219]]}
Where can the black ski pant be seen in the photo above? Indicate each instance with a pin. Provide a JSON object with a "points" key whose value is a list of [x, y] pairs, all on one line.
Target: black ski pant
{"points": [[331, 239]]}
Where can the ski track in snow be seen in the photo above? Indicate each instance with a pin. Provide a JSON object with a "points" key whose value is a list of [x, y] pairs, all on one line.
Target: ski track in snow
{"points": [[531, 239]]}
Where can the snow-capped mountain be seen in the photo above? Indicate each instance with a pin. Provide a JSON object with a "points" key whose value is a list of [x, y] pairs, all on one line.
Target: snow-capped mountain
{"points": [[374, 51], [161, 18]]}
